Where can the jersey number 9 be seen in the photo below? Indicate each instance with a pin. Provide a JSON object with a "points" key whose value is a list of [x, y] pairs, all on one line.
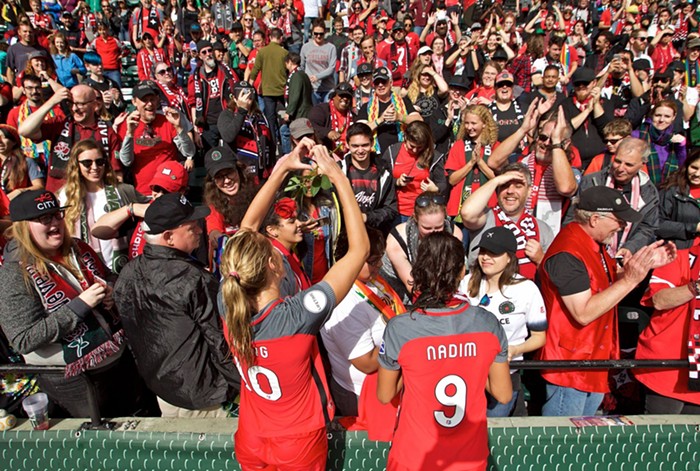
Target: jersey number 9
{"points": [[451, 391]]}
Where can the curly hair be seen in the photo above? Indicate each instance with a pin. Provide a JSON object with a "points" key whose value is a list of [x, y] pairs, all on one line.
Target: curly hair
{"points": [[232, 208], [438, 270], [489, 135], [75, 188]]}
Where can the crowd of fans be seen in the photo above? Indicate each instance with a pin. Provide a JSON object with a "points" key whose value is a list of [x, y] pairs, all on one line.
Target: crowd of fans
{"points": [[553, 142]]}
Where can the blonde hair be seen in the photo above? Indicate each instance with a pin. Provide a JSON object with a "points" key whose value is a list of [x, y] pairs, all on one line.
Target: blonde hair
{"points": [[29, 254], [490, 132], [245, 268], [74, 188], [414, 87]]}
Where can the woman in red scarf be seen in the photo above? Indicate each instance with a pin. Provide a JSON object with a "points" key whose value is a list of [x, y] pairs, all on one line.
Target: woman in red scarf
{"points": [[18, 173], [56, 308]]}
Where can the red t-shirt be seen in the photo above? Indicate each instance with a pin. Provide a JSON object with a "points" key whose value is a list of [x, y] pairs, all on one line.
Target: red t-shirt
{"points": [[286, 392], [406, 195], [152, 146], [110, 51], [457, 159], [444, 356], [216, 222], [666, 336]]}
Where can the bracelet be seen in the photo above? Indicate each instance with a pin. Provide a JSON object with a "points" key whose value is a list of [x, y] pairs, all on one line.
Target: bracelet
{"points": [[693, 288], [130, 210]]}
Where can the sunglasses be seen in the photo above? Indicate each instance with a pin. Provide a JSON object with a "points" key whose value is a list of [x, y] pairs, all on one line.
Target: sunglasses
{"points": [[612, 141], [47, 219], [87, 163], [318, 35], [485, 300], [206, 52], [423, 201], [543, 137], [162, 71]]}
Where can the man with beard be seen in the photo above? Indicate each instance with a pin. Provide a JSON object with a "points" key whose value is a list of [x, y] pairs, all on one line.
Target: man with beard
{"points": [[588, 114], [553, 57], [512, 188], [548, 89], [625, 175], [331, 120], [581, 287], [603, 45], [549, 161], [370, 178], [398, 53], [31, 89], [76, 38], [638, 45], [209, 89], [152, 138], [82, 124]]}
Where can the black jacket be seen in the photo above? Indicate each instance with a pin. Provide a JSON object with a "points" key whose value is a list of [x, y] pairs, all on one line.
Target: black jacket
{"points": [[167, 302], [679, 215]]}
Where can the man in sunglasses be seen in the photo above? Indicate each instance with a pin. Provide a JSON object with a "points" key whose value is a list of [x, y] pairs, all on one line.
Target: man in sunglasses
{"points": [[83, 123], [512, 188], [625, 175], [209, 90]]}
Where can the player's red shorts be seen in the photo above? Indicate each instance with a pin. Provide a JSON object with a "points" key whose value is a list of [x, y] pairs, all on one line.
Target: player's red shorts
{"points": [[304, 451]]}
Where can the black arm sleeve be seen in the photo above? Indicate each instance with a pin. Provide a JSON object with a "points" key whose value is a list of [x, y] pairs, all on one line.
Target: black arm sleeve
{"points": [[568, 274]]}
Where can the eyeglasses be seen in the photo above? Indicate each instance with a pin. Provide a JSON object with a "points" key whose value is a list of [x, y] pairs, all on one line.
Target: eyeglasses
{"points": [[87, 163], [205, 52], [32, 88], [222, 176], [612, 141], [423, 201], [319, 34], [81, 105], [163, 71], [485, 300], [613, 217], [47, 219]]}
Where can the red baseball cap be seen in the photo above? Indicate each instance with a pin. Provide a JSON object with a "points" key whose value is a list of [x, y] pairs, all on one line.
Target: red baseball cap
{"points": [[171, 176]]}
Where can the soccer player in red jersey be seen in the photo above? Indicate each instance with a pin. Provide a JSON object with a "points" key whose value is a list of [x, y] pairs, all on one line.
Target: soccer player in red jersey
{"points": [[446, 353], [285, 401]]}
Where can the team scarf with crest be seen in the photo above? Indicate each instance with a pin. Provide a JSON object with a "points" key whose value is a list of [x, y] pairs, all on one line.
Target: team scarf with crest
{"points": [[91, 341], [524, 229]]}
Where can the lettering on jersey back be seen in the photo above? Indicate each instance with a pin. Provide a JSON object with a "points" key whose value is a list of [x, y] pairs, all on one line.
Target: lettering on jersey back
{"points": [[451, 350]]}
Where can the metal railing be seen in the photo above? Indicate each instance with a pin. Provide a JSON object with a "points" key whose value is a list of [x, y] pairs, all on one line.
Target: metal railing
{"points": [[97, 423]]}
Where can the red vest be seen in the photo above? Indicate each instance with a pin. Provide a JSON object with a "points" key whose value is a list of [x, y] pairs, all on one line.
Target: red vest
{"points": [[566, 338]]}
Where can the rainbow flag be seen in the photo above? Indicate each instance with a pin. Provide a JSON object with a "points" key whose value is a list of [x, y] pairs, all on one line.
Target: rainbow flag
{"points": [[565, 58]]}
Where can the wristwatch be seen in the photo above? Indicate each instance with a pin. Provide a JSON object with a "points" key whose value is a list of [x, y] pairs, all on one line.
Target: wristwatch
{"points": [[558, 146]]}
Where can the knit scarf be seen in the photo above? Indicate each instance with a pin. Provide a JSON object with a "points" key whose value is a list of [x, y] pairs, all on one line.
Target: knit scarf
{"points": [[655, 138], [119, 246], [475, 178], [637, 203], [524, 229], [149, 59], [176, 97], [31, 149], [692, 73], [516, 108], [63, 145], [90, 342], [385, 301], [373, 115], [340, 124], [302, 280]]}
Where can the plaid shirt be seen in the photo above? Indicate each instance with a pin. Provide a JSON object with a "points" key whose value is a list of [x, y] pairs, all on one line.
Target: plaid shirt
{"points": [[520, 67]]}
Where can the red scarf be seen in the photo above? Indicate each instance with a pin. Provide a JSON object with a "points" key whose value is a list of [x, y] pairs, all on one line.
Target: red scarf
{"points": [[524, 229], [694, 326], [340, 124], [299, 274]]}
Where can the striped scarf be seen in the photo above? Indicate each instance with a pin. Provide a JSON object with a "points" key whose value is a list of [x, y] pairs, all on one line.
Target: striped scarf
{"points": [[29, 147], [655, 138], [373, 115]]}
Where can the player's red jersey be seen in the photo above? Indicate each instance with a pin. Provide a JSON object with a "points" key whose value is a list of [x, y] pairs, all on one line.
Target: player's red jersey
{"points": [[285, 392], [445, 356]]}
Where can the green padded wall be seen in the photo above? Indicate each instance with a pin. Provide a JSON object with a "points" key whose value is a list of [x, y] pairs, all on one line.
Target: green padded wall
{"points": [[638, 447]]}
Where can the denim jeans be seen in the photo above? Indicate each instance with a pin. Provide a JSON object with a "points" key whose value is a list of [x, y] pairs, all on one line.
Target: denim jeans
{"points": [[570, 402], [285, 140], [496, 409], [307, 27], [115, 75], [272, 103]]}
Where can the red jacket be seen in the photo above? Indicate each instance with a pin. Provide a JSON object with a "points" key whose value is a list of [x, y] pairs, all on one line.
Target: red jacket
{"points": [[566, 338]]}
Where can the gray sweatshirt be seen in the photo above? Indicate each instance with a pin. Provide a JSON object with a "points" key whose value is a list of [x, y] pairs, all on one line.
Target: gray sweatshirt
{"points": [[319, 61]]}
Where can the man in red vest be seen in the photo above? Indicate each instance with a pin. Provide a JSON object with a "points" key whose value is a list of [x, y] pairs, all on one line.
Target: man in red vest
{"points": [[582, 287]]}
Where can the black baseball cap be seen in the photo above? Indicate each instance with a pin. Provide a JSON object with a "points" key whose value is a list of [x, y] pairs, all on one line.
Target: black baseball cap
{"points": [[202, 44], [170, 211], [365, 68], [219, 158], [145, 88], [583, 75], [601, 199], [498, 240], [33, 204], [641, 64], [344, 89], [242, 85], [382, 73]]}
